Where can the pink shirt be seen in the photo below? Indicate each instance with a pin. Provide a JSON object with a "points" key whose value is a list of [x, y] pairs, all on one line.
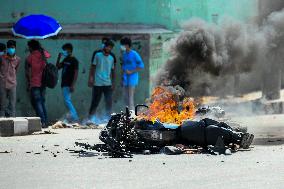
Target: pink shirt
{"points": [[37, 65], [8, 71]]}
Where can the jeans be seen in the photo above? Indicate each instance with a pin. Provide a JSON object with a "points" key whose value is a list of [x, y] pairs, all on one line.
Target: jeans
{"points": [[96, 97], [129, 96], [68, 103], [38, 103], [10, 108]]}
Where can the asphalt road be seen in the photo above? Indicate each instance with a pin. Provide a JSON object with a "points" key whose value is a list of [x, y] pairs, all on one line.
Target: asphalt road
{"points": [[31, 163]]}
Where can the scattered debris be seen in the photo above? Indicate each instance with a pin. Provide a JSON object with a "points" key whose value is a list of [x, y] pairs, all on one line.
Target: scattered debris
{"points": [[146, 152], [44, 132], [228, 152], [124, 135], [5, 152], [82, 139], [171, 150], [76, 151], [63, 125]]}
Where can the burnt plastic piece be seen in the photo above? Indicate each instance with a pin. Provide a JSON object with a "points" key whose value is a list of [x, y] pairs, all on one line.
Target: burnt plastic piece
{"points": [[139, 105], [218, 148], [171, 150]]}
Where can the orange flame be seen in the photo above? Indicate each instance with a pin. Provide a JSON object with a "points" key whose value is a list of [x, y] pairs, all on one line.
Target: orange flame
{"points": [[165, 107]]}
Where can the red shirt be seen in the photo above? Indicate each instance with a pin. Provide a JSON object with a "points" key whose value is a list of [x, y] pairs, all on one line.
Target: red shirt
{"points": [[37, 65], [8, 71]]}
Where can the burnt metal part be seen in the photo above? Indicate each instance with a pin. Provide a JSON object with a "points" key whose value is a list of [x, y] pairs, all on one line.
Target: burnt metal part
{"points": [[219, 147], [138, 106], [122, 136], [171, 150], [119, 138], [214, 110]]}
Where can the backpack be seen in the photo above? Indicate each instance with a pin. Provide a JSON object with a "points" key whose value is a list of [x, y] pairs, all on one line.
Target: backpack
{"points": [[50, 75]]}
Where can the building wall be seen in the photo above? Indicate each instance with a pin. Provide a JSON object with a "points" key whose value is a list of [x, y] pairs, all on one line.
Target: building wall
{"points": [[212, 10], [168, 13], [91, 11], [158, 54]]}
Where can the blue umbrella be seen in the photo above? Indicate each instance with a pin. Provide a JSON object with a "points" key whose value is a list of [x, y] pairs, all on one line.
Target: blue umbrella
{"points": [[36, 26]]}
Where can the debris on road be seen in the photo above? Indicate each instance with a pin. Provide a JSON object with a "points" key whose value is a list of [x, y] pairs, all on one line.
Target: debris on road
{"points": [[124, 136], [5, 152], [63, 125], [44, 132], [146, 152]]}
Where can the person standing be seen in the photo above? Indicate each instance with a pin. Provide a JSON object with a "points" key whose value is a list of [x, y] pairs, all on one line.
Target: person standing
{"points": [[101, 78], [69, 66], [104, 40], [131, 64], [35, 64], [9, 64]]}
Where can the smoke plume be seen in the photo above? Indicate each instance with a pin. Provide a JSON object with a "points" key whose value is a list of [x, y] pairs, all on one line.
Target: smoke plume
{"points": [[208, 58]]}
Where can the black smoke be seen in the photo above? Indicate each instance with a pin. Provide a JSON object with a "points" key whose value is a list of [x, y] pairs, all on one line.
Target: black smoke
{"points": [[205, 57]]}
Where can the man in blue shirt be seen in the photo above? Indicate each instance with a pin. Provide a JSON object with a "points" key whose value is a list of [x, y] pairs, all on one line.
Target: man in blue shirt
{"points": [[101, 78], [131, 65]]}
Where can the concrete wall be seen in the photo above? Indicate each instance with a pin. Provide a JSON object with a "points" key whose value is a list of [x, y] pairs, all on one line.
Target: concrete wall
{"points": [[90, 11], [212, 10], [158, 54]]}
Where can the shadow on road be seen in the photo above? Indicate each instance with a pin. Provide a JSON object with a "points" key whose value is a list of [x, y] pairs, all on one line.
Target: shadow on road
{"points": [[268, 141]]}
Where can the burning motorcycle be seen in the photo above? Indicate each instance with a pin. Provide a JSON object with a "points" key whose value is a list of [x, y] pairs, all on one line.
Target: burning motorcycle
{"points": [[126, 134]]}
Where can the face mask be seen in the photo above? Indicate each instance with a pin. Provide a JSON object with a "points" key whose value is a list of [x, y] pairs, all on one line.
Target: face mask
{"points": [[2, 53], [122, 47], [106, 52], [102, 46], [11, 51], [64, 53]]}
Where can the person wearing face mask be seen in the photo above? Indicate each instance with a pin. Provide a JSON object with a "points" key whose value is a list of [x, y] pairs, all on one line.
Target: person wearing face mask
{"points": [[69, 66], [131, 64], [101, 79], [35, 64], [104, 40], [9, 64]]}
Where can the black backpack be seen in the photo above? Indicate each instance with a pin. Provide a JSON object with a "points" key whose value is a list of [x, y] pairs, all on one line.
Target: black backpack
{"points": [[50, 74]]}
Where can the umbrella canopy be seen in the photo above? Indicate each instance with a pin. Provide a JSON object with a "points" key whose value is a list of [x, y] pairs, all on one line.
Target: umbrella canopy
{"points": [[36, 26]]}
